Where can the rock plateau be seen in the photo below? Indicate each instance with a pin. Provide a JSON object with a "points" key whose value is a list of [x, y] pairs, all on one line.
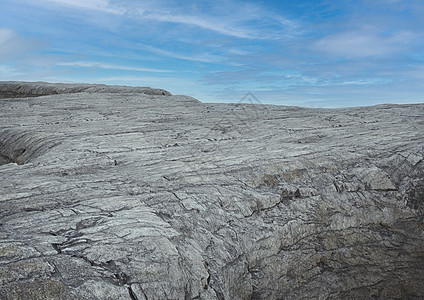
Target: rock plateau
{"points": [[134, 193]]}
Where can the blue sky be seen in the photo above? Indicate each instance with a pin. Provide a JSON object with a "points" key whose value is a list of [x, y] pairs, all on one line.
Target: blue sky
{"points": [[307, 53]]}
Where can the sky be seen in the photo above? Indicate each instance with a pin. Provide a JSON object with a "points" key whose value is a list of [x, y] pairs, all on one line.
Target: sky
{"points": [[305, 53]]}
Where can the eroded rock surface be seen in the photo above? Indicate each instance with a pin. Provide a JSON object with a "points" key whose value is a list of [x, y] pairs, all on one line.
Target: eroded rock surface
{"points": [[125, 195]]}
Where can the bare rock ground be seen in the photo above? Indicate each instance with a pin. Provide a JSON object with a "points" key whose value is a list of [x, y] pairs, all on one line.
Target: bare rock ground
{"points": [[125, 193]]}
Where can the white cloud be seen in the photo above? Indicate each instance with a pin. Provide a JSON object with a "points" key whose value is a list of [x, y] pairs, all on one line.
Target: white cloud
{"points": [[363, 43], [99, 5], [87, 64], [363, 82], [11, 44], [230, 18], [215, 25], [208, 58], [6, 35]]}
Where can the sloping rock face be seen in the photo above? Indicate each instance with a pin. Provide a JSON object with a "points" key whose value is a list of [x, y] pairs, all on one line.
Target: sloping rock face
{"points": [[132, 196]]}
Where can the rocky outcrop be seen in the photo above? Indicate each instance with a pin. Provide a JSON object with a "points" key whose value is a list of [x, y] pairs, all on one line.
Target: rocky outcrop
{"points": [[19, 89], [133, 196]]}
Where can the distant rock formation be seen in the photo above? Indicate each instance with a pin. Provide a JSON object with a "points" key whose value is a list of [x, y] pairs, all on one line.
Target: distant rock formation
{"points": [[18, 89], [116, 193]]}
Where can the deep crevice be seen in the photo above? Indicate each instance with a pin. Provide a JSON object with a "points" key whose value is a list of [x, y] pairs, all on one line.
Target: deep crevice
{"points": [[133, 296], [57, 248]]}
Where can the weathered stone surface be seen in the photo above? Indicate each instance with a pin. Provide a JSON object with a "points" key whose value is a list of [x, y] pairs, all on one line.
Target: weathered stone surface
{"points": [[125, 195]]}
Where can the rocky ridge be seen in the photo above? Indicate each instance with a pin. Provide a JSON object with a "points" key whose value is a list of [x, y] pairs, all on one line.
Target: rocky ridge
{"points": [[125, 194], [18, 89]]}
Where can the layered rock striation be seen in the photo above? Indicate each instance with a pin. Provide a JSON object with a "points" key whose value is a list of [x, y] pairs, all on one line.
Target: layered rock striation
{"points": [[125, 194]]}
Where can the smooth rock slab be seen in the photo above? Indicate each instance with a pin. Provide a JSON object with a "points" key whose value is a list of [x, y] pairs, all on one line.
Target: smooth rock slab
{"points": [[120, 194]]}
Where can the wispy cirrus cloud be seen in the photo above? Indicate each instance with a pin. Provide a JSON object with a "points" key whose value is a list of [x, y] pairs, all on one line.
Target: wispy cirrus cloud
{"points": [[96, 5], [205, 57], [212, 25], [88, 64], [231, 18]]}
